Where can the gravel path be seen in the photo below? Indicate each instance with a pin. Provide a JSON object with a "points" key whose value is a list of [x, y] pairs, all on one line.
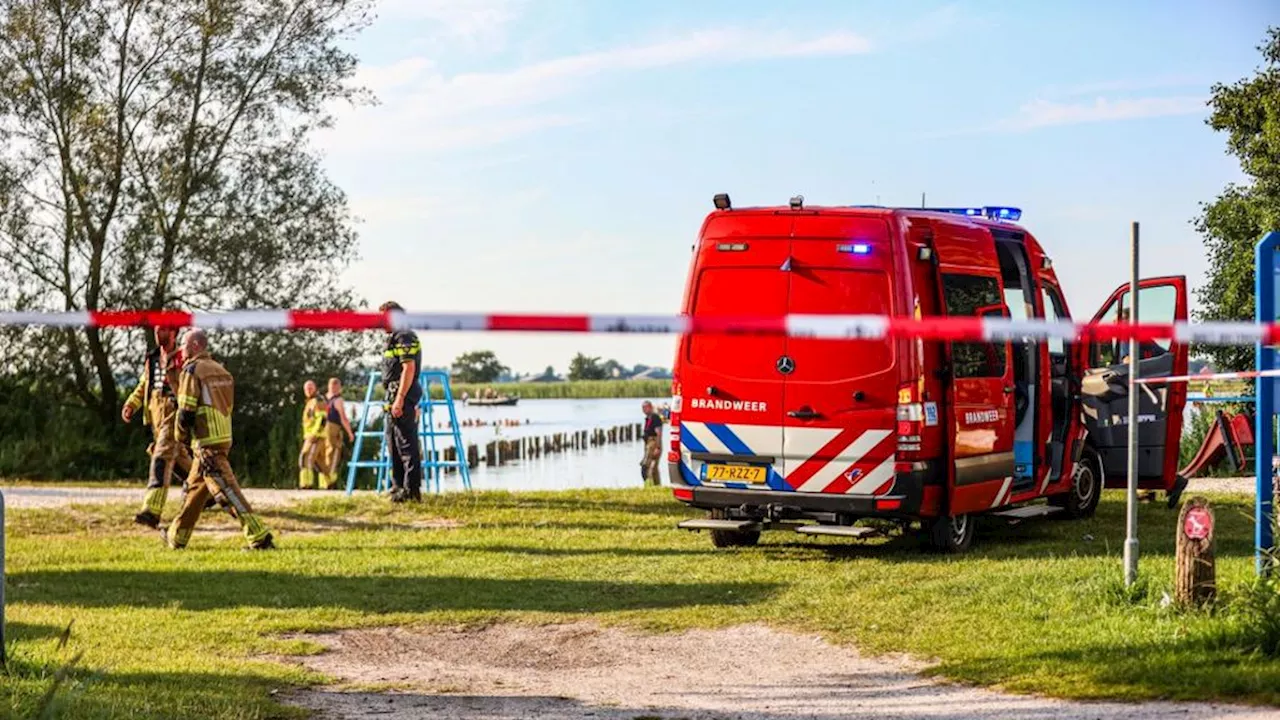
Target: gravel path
{"points": [[47, 496], [581, 670]]}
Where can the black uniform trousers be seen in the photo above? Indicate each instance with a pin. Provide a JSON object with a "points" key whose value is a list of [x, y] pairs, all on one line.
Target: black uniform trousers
{"points": [[404, 450]]}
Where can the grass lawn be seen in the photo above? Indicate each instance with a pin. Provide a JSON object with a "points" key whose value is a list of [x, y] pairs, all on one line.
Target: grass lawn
{"points": [[199, 634]]}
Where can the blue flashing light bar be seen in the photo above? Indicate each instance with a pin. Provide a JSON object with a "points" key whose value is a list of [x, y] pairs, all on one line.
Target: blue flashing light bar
{"points": [[991, 212], [855, 248]]}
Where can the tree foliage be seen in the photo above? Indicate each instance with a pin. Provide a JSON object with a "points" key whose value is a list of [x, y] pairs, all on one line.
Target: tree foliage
{"points": [[153, 153], [1248, 112], [480, 366], [582, 367]]}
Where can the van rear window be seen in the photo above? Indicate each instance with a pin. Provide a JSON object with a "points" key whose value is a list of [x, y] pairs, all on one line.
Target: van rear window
{"points": [[738, 291], [839, 291]]}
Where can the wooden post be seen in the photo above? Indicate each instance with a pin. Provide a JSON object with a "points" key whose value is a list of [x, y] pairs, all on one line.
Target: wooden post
{"points": [[491, 454], [473, 456], [1194, 574]]}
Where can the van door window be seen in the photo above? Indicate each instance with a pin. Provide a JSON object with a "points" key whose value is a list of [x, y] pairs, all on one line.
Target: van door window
{"points": [[965, 295], [1053, 312], [1157, 304]]}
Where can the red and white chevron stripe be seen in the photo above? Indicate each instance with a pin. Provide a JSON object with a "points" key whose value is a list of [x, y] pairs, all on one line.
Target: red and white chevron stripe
{"points": [[813, 326]]}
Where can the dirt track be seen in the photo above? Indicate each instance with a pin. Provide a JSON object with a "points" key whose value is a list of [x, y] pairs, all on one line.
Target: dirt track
{"points": [[581, 670], [46, 496]]}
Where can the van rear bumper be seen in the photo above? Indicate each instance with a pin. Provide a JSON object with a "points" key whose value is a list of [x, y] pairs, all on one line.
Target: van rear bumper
{"points": [[908, 489]]}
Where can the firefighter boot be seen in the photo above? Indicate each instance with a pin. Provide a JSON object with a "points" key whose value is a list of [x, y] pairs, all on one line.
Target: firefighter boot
{"points": [[306, 479], [157, 492], [328, 481]]}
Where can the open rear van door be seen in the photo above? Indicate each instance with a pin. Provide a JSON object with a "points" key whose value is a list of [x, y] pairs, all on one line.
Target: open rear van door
{"points": [[1104, 388]]}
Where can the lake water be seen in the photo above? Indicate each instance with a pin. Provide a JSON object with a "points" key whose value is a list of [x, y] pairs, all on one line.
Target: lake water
{"points": [[606, 466]]}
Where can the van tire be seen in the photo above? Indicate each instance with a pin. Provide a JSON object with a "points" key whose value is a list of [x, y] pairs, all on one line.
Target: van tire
{"points": [[731, 538], [952, 534], [1086, 487]]}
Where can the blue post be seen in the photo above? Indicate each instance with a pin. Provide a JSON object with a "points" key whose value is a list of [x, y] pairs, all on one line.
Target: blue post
{"points": [[1265, 293]]}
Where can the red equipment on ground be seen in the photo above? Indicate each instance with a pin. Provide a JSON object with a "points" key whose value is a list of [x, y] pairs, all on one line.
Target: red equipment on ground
{"points": [[1227, 439]]}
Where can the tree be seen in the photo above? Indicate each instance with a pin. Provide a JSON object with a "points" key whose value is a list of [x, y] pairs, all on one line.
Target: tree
{"points": [[1249, 113], [154, 154], [481, 366], [614, 369], [586, 368]]}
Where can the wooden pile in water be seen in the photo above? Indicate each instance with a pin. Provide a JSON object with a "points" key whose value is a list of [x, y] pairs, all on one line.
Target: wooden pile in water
{"points": [[496, 453]]}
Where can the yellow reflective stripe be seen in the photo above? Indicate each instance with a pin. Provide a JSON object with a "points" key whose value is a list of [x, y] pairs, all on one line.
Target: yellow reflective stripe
{"points": [[217, 426], [187, 402]]}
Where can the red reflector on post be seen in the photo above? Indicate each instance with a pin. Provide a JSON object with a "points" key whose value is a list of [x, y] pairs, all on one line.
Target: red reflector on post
{"points": [[673, 456], [889, 504], [683, 494]]}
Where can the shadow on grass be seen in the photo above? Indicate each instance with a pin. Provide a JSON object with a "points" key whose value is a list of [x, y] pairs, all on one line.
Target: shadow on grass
{"points": [[1100, 536], [1193, 667], [219, 589], [615, 552], [91, 693], [17, 631]]}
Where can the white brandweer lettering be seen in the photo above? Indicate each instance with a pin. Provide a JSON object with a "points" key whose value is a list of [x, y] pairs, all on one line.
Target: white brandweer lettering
{"points": [[738, 405], [975, 417]]}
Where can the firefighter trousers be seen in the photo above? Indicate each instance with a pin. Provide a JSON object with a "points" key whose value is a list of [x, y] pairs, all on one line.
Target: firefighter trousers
{"points": [[211, 475], [334, 435], [311, 461], [651, 462], [168, 456]]}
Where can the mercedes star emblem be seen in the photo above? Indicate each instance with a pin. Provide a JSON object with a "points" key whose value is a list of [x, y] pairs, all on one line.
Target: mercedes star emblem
{"points": [[786, 365]]}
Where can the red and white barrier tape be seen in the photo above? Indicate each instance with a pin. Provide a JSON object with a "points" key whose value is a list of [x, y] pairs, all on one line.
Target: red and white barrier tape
{"points": [[1209, 376], [812, 326]]}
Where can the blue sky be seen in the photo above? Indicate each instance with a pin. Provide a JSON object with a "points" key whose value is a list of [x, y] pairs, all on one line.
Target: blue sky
{"points": [[559, 156]]}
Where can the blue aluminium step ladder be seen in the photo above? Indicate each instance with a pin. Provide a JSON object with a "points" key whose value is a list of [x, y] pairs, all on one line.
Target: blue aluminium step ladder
{"points": [[433, 462]]}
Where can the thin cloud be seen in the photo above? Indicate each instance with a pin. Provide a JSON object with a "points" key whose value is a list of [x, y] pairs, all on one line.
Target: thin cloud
{"points": [[425, 109], [436, 94], [1041, 113], [1130, 85], [479, 23], [1045, 113]]}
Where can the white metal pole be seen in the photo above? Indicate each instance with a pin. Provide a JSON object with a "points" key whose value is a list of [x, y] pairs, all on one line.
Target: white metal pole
{"points": [[1131, 514]]}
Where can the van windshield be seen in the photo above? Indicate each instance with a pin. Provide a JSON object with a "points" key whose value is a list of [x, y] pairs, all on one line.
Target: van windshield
{"points": [[738, 291], [839, 291]]}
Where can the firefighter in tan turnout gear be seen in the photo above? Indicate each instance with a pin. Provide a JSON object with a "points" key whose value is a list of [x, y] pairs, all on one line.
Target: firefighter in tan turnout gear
{"points": [[206, 399], [156, 396], [336, 428]]}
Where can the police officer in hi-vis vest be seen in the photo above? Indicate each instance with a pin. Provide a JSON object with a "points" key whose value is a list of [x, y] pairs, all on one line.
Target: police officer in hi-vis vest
{"points": [[401, 360]]}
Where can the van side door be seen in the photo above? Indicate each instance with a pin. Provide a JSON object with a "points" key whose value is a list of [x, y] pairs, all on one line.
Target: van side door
{"points": [[1104, 387], [981, 394]]}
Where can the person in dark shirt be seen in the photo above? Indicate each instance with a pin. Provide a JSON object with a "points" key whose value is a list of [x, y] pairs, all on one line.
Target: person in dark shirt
{"points": [[401, 361], [652, 436]]}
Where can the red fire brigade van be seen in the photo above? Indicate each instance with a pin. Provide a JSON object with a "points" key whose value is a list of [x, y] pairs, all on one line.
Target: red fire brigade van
{"points": [[812, 435]]}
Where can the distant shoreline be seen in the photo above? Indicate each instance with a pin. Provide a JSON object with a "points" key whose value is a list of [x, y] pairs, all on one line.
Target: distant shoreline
{"points": [[571, 389]]}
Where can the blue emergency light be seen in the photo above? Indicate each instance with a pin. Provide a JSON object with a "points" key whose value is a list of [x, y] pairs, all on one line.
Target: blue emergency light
{"points": [[992, 212], [855, 248]]}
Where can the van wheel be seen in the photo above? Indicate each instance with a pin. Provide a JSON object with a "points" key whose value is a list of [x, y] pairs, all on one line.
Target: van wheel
{"points": [[952, 534], [731, 538], [1086, 487]]}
